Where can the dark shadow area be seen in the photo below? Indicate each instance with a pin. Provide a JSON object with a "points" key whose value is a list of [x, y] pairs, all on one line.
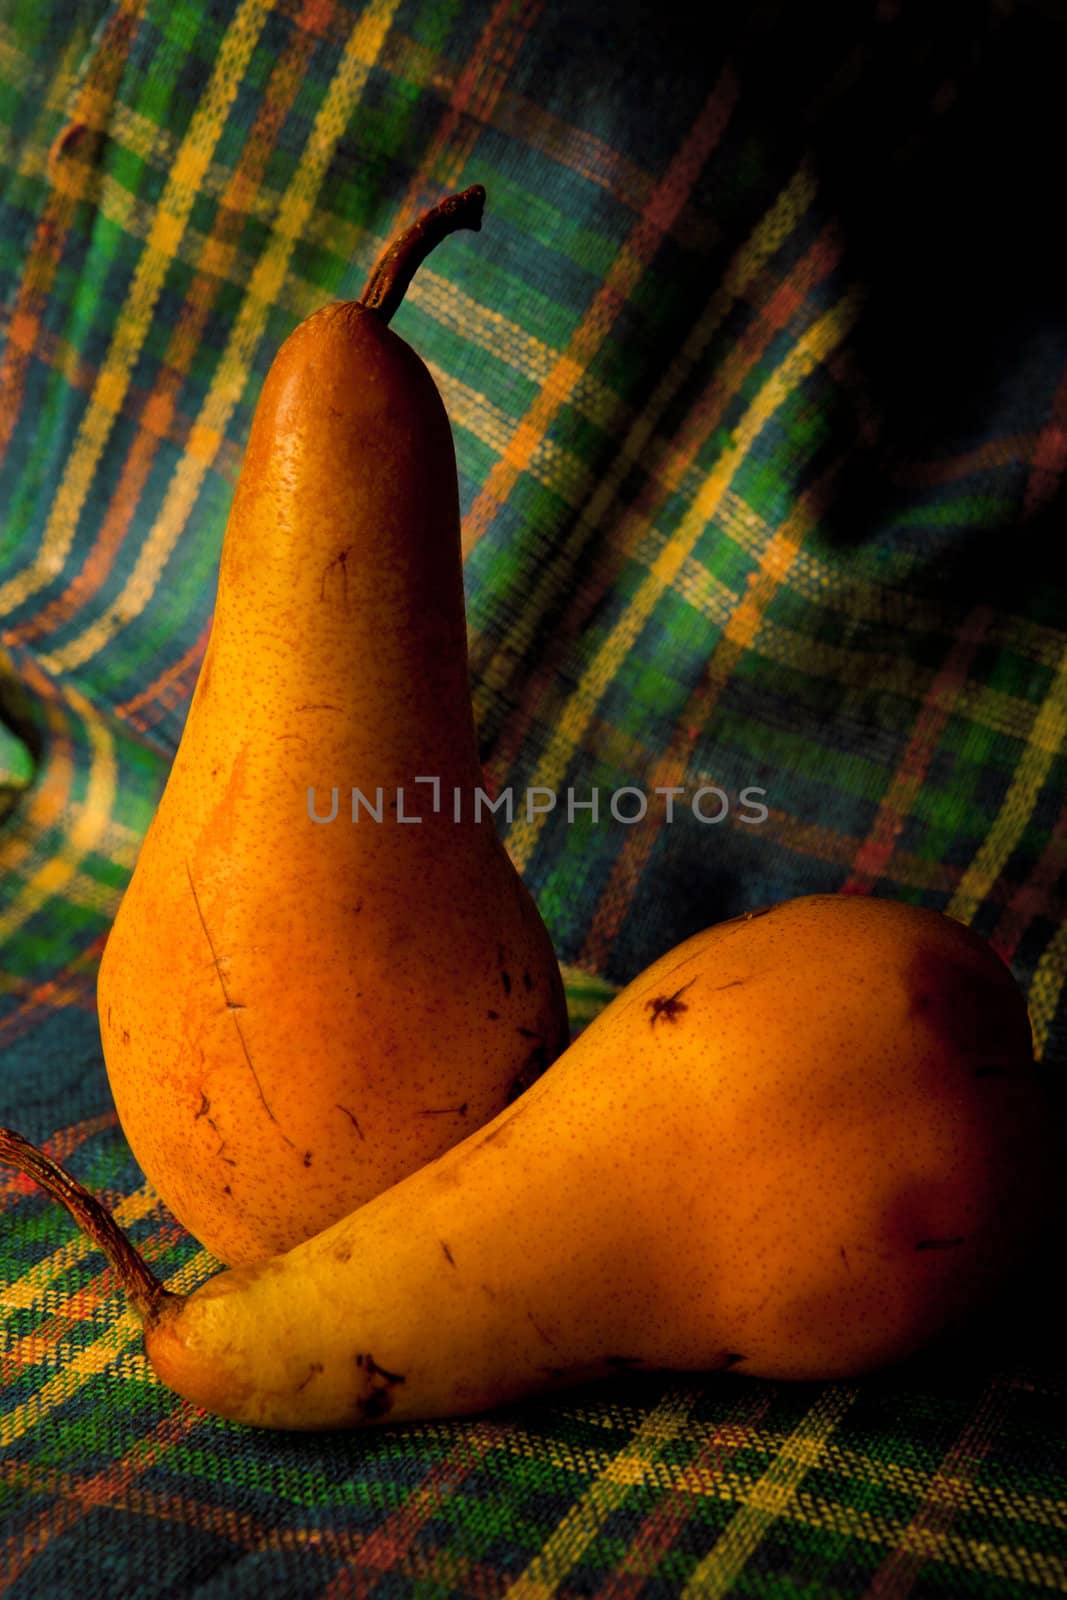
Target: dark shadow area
{"points": [[941, 166], [1019, 1327]]}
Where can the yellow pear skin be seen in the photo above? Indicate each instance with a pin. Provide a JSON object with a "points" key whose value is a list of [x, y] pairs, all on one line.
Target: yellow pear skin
{"points": [[798, 1146], [296, 1012]]}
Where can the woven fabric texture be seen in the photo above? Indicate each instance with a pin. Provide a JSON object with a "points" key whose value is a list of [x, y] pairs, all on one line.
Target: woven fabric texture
{"points": [[758, 377]]}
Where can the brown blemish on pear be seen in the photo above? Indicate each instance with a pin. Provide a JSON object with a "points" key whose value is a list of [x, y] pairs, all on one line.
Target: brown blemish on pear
{"points": [[667, 1007]]}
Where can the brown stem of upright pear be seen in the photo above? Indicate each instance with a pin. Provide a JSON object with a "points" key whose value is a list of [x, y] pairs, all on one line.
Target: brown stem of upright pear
{"points": [[388, 282], [147, 1294]]}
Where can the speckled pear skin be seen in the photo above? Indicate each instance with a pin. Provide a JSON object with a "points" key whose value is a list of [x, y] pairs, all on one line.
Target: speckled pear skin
{"points": [[296, 1014], [798, 1146]]}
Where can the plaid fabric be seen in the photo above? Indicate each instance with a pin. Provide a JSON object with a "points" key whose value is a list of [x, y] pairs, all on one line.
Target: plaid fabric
{"points": [[758, 377]]}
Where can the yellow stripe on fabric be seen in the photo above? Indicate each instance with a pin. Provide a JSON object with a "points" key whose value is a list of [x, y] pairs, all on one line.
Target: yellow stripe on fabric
{"points": [[566, 475], [564, 143], [824, 1515], [994, 709], [588, 1460], [101, 1301], [18, 66], [1046, 739], [49, 797], [505, 340], [81, 1367], [30, 1290], [1017, 1563], [440, 299], [28, 154], [444, 302], [1029, 638], [63, 994], [81, 889], [777, 224], [134, 321], [566, 1545], [1011, 1565], [551, 464], [770, 1496], [22, 835], [944, 1496], [71, 984], [605, 307], [998, 1500], [860, 598], [74, 1374], [1046, 987], [896, 606], [851, 1519], [738, 635], [834, 848], [344, 239], [801, 361], [361, 51], [136, 133], [86, 830], [13, 59]]}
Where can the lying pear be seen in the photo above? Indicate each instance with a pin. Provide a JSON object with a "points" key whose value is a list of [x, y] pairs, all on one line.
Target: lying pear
{"points": [[296, 1011], [800, 1145]]}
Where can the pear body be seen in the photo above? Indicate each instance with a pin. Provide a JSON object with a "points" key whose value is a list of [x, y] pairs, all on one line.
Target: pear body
{"points": [[295, 1011], [800, 1145]]}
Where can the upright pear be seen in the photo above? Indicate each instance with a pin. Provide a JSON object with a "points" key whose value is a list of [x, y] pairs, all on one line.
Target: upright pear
{"points": [[325, 969], [800, 1145]]}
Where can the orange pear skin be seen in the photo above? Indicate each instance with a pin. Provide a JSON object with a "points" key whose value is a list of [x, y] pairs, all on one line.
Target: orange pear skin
{"points": [[800, 1145], [297, 1012]]}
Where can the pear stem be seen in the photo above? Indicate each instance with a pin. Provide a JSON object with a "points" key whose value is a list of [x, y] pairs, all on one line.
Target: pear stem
{"points": [[144, 1289], [388, 282]]}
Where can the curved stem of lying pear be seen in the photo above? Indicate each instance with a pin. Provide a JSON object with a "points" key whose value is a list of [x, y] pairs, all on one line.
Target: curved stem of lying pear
{"points": [[388, 283], [147, 1294]]}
